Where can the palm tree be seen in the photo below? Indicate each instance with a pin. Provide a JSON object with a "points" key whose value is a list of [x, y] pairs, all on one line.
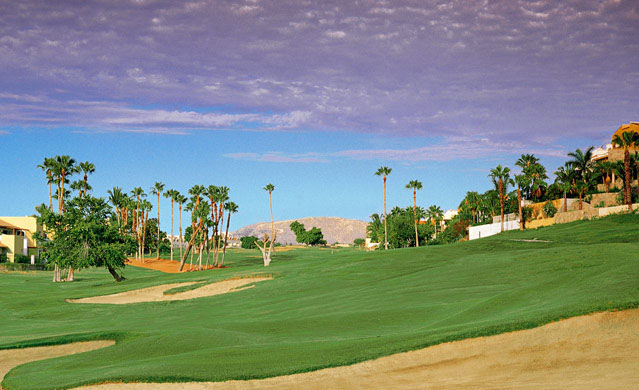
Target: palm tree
{"points": [[157, 189], [180, 199], [384, 172], [626, 140], [171, 194], [415, 185], [605, 168], [85, 168], [223, 197], [65, 167], [373, 228], [522, 181], [47, 166], [232, 208], [581, 162], [526, 160], [501, 179], [266, 253], [116, 197], [138, 193], [270, 188], [565, 177], [434, 214]]}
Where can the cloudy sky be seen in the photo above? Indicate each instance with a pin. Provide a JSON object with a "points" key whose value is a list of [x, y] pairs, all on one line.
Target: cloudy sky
{"points": [[309, 95]]}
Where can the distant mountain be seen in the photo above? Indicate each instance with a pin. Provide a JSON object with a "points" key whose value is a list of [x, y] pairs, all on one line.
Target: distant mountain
{"points": [[341, 230]]}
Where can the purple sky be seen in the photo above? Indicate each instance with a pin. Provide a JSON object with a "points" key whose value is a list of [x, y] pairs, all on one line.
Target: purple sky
{"points": [[416, 80]]}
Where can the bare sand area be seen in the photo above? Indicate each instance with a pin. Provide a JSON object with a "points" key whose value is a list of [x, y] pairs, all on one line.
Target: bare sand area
{"points": [[596, 351], [156, 293], [10, 358], [166, 265]]}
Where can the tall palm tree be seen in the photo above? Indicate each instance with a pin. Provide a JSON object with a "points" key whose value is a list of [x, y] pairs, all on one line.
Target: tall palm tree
{"points": [[180, 199], [65, 167], [171, 194], [270, 188], [526, 160], [565, 177], [157, 189], [47, 166], [138, 193], [626, 140], [232, 209], [415, 185], [522, 181], [501, 179], [116, 197], [384, 172], [223, 197], [86, 168]]}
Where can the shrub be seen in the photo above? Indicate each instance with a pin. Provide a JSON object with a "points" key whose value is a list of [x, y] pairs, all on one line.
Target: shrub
{"points": [[248, 242], [3, 258], [600, 204], [359, 242], [21, 259], [550, 210]]}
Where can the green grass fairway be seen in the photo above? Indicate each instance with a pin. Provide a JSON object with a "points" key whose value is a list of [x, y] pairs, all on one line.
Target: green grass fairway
{"points": [[323, 308]]}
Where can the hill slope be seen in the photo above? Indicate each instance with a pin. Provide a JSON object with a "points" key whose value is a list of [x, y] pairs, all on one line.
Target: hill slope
{"points": [[335, 229]]}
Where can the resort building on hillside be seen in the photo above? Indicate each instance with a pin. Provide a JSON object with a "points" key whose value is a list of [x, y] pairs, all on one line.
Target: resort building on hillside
{"points": [[16, 237], [610, 152]]}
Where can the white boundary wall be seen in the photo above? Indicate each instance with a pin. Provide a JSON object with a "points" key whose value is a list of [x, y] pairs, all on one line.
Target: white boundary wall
{"points": [[603, 211], [490, 229]]}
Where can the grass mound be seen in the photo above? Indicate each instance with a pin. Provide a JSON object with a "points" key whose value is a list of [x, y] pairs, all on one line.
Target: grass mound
{"points": [[325, 308]]}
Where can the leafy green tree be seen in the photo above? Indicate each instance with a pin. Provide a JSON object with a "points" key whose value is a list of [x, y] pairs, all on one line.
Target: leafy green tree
{"points": [[83, 237], [359, 242], [313, 236], [248, 242]]}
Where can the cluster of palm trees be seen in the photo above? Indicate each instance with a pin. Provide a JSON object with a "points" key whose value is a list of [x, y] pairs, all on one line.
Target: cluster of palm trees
{"points": [[207, 206], [577, 176], [434, 214], [59, 170]]}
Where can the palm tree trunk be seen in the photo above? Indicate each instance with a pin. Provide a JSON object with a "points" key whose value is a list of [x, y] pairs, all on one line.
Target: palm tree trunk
{"points": [[171, 228], [226, 236], [580, 202], [521, 216], [50, 197], [385, 230], [270, 202], [189, 246], [180, 231], [501, 202], [626, 167], [565, 203], [158, 249], [415, 217]]}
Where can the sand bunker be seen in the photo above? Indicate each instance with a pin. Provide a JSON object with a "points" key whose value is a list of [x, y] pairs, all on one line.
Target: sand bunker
{"points": [[10, 358], [597, 351], [156, 294]]}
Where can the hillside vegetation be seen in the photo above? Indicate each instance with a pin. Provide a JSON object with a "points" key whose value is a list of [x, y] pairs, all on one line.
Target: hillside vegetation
{"points": [[323, 308]]}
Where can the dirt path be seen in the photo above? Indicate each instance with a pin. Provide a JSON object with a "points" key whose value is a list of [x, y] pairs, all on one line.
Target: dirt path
{"points": [[156, 293], [597, 351], [10, 358]]}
